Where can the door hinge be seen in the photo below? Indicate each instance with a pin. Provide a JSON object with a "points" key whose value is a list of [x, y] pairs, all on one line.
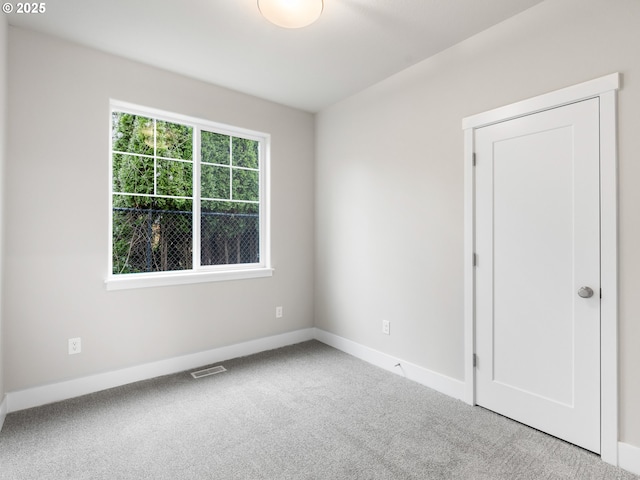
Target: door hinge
{"points": [[600, 293], [475, 360], [475, 260], [474, 158]]}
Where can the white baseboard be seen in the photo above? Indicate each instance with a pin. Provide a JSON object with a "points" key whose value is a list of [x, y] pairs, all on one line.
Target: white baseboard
{"points": [[43, 395], [3, 411], [629, 458], [442, 383]]}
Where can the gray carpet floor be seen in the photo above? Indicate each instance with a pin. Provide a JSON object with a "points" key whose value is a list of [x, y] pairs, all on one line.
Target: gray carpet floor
{"points": [[302, 412]]}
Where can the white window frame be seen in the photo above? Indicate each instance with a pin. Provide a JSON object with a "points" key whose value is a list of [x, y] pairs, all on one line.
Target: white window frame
{"points": [[198, 273]]}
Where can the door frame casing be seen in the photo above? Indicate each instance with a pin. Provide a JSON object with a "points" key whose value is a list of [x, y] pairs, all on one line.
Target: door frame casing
{"points": [[605, 88]]}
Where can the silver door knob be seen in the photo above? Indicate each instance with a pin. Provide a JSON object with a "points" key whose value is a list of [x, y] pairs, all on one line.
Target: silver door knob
{"points": [[585, 292]]}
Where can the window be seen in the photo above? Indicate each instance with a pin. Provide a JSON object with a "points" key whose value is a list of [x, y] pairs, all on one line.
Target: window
{"points": [[188, 200]]}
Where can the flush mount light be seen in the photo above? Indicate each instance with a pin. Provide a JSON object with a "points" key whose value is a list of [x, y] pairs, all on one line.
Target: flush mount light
{"points": [[291, 13]]}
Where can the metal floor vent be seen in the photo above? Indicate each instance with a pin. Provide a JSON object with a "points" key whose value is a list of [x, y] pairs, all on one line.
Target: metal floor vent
{"points": [[208, 371]]}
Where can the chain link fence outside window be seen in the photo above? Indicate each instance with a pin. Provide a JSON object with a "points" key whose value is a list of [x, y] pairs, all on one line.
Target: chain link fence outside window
{"points": [[148, 240]]}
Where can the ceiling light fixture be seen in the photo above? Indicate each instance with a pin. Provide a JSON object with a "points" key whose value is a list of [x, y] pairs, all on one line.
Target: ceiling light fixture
{"points": [[291, 13]]}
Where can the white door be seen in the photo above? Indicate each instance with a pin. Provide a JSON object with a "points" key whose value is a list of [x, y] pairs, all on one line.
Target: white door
{"points": [[538, 245]]}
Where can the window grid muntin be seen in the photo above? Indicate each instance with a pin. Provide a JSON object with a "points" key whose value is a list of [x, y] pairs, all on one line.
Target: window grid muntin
{"points": [[155, 172]]}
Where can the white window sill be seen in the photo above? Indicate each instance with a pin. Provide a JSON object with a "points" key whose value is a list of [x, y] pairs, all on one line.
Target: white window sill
{"points": [[144, 280]]}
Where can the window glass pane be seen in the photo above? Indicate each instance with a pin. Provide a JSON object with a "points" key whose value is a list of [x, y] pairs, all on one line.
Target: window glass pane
{"points": [[214, 148], [174, 178], [132, 133], [245, 153], [229, 233], [246, 185], [215, 181], [132, 174], [174, 140], [152, 185], [149, 238]]}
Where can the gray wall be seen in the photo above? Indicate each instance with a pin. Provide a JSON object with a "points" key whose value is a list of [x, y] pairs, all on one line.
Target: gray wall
{"points": [[389, 182], [57, 217], [3, 127]]}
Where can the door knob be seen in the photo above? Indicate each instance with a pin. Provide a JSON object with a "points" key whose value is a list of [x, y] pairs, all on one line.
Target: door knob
{"points": [[585, 292]]}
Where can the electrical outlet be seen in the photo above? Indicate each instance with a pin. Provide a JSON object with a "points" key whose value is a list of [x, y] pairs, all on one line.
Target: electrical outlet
{"points": [[386, 327], [279, 313], [75, 345]]}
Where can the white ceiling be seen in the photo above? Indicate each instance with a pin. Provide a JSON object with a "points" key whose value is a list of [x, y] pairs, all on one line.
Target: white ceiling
{"points": [[355, 44]]}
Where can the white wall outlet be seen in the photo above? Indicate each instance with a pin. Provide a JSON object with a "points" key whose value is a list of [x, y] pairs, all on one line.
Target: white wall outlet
{"points": [[279, 312], [386, 327], [75, 345]]}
